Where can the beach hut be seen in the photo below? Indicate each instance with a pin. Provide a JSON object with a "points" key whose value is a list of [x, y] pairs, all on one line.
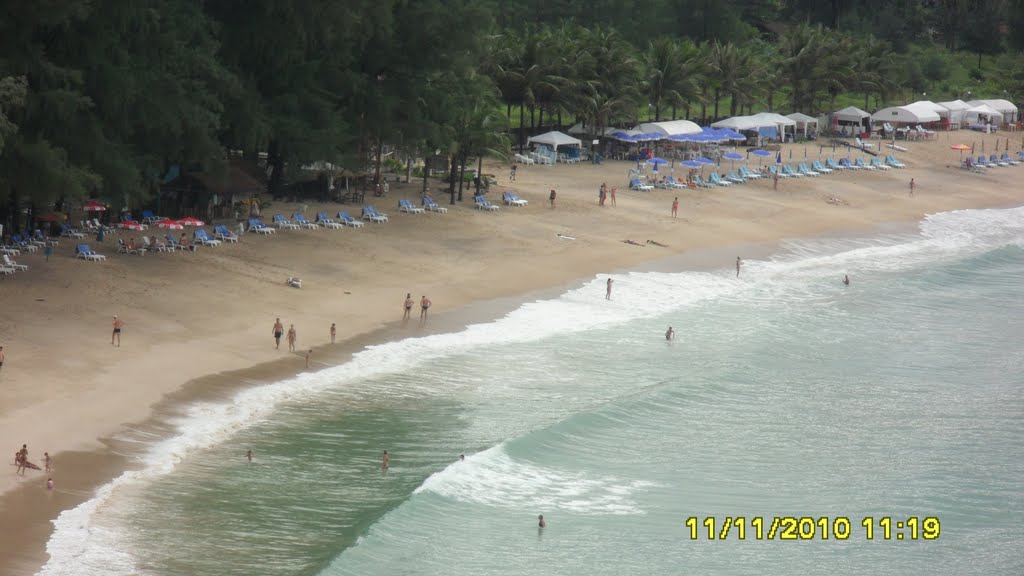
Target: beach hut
{"points": [[557, 140], [803, 121], [849, 116]]}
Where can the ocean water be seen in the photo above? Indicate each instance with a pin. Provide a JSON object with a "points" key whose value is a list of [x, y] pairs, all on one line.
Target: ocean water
{"points": [[785, 394]]}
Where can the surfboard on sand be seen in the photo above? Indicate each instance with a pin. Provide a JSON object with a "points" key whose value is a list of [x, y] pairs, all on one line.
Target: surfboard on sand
{"points": [[564, 237]]}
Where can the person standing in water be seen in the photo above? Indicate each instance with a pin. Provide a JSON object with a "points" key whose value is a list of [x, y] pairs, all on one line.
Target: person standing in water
{"points": [[248, 455], [846, 280], [385, 462], [334, 332], [308, 354], [738, 264], [608, 290], [540, 522], [670, 334]]}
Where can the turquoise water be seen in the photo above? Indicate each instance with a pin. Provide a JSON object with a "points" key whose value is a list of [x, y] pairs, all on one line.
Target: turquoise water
{"points": [[786, 393]]}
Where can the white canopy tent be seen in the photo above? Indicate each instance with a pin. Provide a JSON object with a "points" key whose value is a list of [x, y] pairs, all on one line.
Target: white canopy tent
{"points": [[670, 128], [955, 110], [740, 123], [555, 139], [803, 119], [905, 115], [850, 114], [983, 114], [1004, 107]]}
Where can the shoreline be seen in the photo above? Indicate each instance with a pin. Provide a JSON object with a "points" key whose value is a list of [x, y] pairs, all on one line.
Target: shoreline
{"points": [[96, 462]]}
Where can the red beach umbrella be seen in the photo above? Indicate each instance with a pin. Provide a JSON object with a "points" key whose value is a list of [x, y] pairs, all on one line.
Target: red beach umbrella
{"points": [[190, 221], [132, 225], [169, 224], [93, 206]]}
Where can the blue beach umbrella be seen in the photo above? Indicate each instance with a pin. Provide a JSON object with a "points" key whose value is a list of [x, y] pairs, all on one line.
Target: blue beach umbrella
{"points": [[732, 156], [761, 153], [657, 161], [691, 164], [706, 161], [778, 158]]}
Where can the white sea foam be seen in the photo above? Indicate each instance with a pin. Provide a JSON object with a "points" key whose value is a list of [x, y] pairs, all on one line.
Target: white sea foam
{"points": [[81, 545], [494, 478]]}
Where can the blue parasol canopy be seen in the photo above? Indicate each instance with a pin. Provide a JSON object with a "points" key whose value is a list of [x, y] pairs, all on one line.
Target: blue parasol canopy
{"points": [[761, 153], [691, 164], [733, 156], [657, 161], [704, 160]]}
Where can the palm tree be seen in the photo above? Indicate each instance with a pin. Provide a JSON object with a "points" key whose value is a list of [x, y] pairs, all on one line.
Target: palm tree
{"points": [[663, 75], [800, 51]]}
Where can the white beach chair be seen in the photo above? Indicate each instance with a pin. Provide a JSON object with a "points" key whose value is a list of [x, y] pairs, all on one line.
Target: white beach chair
{"points": [[12, 264]]}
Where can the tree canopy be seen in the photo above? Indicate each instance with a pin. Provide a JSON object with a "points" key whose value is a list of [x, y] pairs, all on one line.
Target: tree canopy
{"points": [[100, 99]]}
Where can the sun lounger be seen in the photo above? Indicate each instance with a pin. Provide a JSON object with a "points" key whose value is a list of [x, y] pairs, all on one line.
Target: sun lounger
{"points": [[636, 184], [1006, 158], [892, 161], [155, 245], [817, 167], [68, 232], [671, 182], [803, 169], [702, 182], [511, 199], [204, 238], [300, 219], [876, 164], [432, 206], [221, 232], [84, 251], [6, 271], [406, 206], [748, 174], [325, 221], [10, 251], [348, 220], [23, 243], [123, 248], [830, 163], [281, 222], [39, 239], [148, 217], [859, 163], [994, 160], [734, 178], [12, 264], [482, 203], [715, 179], [845, 163], [863, 145], [259, 227], [788, 171], [523, 159], [370, 213]]}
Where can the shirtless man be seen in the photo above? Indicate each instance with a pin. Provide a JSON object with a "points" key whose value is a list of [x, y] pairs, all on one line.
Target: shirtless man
{"points": [[248, 455], [308, 354], [49, 484], [334, 332], [291, 338], [424, 306], [47, 461], [278, 332], [118, 324], [385, 462], [408, 306], [670, 334], [540, 522], [608, 290], [738, 264]]}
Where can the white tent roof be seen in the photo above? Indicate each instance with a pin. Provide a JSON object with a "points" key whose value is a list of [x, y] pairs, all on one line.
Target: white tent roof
{"points": [[801, 118], [1001, 106], [555, 139], [775, 119], [929, 105], [740, 123], [850, 114], [955, 105], [908, 114], [671, 127], [983, 109]]}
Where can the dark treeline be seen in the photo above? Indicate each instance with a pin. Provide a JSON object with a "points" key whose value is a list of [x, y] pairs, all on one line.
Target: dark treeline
{"points": [[99, 99]]}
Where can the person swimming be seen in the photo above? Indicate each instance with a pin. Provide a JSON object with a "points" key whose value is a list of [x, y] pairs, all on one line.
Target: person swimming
{"points": [[846, 280], [670, 333], [540, 522]]}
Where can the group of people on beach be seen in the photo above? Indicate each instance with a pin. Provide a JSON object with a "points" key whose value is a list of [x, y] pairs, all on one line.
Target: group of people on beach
{"points": [[604, 193], [408, 303], [22, 463]]}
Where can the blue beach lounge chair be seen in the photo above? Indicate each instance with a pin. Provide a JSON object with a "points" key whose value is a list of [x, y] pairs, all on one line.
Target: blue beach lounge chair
{"points": [[433, 206], [300, 219], [325, 221], [408, 207], [348, 220]]}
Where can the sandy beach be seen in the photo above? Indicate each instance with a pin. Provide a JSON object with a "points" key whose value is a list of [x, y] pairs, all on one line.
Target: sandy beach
{"points": [[200, 323]]}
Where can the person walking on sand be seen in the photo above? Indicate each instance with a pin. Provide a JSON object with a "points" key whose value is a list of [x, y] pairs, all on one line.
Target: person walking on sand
{"points": [[551, 197], [612, 194], [1, 357], [424, 306], [278, 331], [911, 187], [675, 207], [385, 462], [408, 306], [512, 172], [738, 264], [334, 332], [118, 324], [308, 354], [775, 180], [47, 461], [291, 338], [670, 334], [608, 289]]}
